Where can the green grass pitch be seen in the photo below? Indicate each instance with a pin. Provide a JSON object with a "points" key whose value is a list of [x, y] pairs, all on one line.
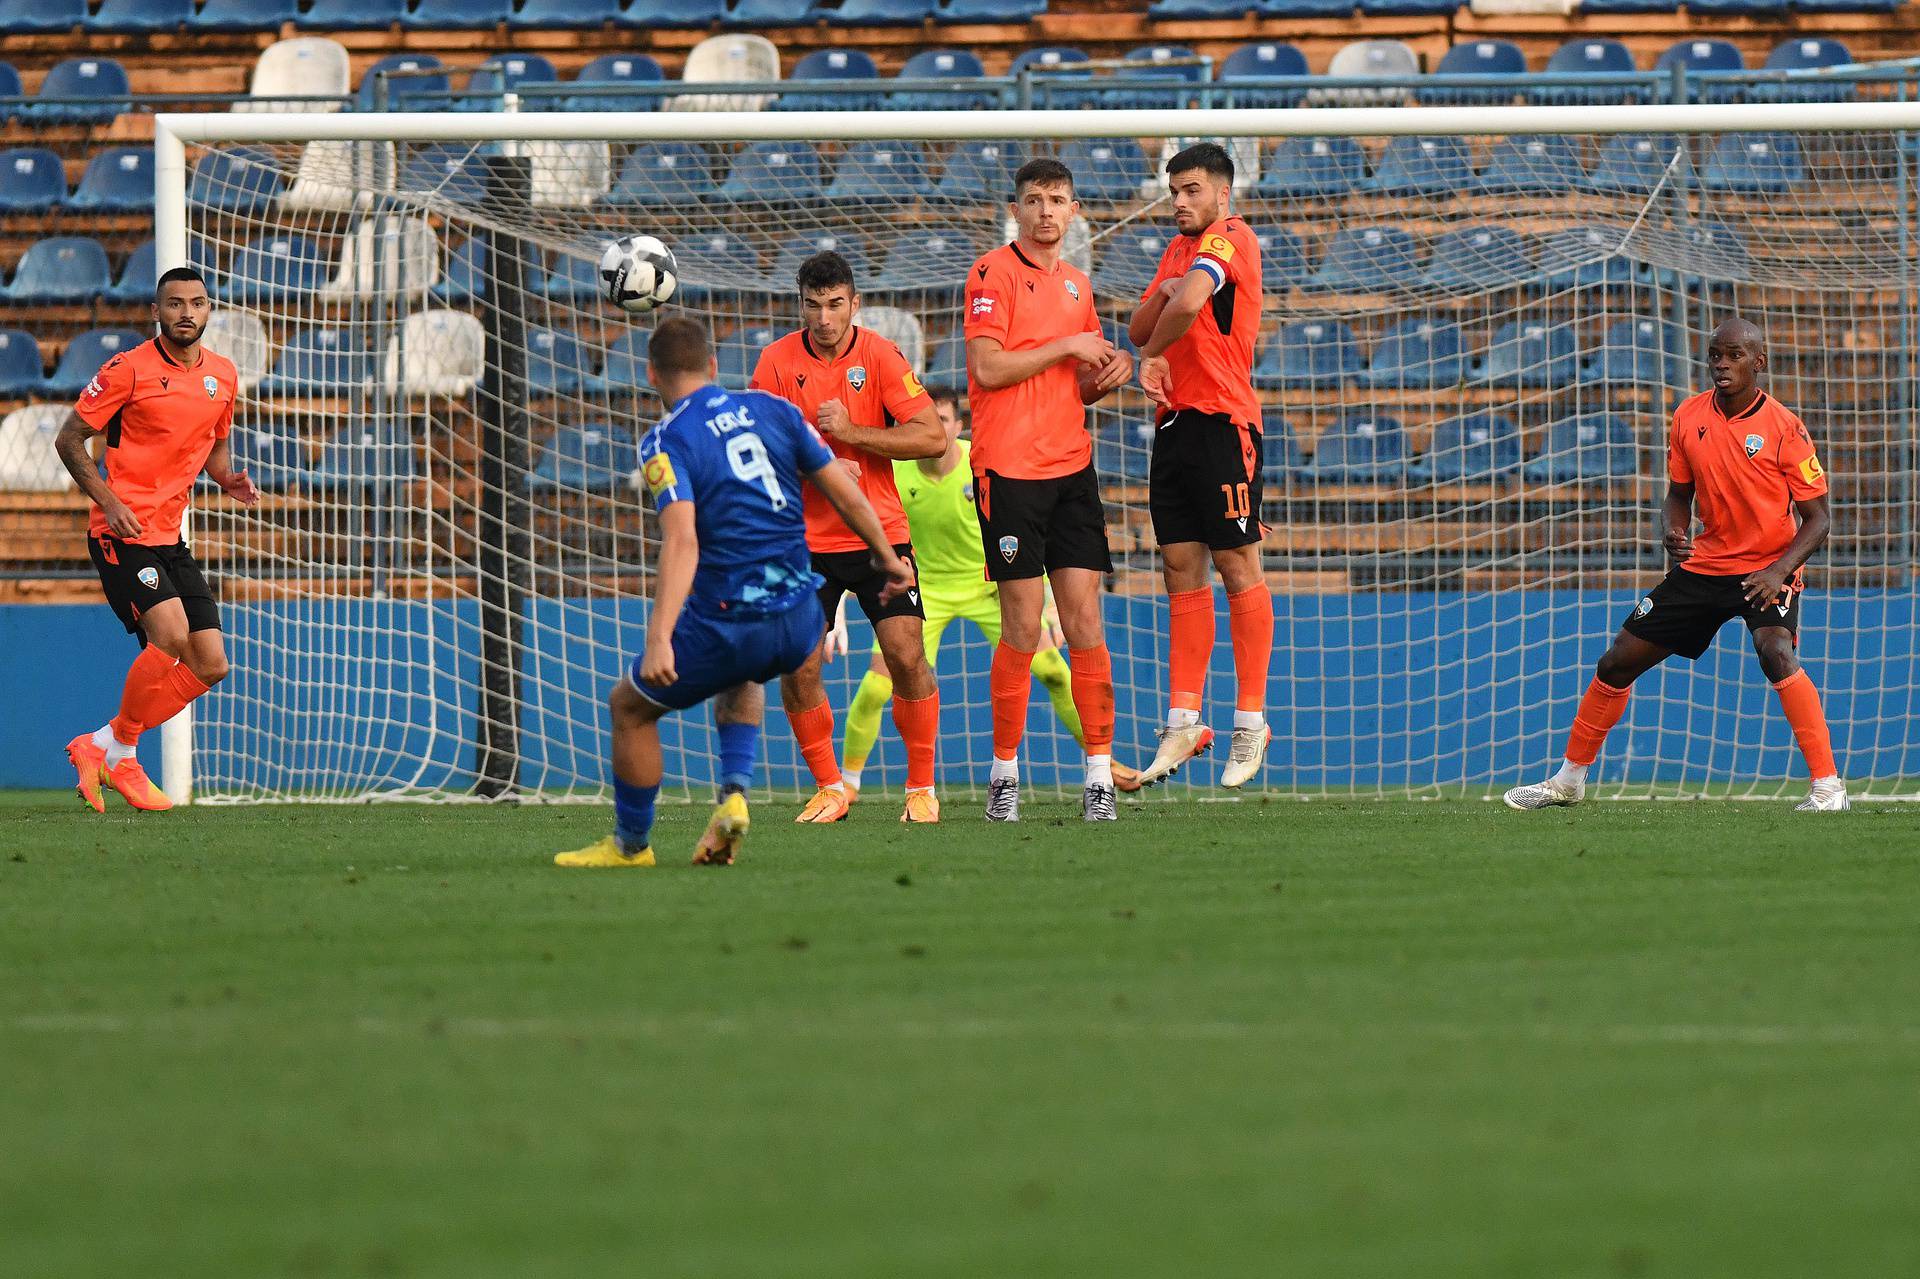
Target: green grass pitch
{"points": [[1418, 1040]]}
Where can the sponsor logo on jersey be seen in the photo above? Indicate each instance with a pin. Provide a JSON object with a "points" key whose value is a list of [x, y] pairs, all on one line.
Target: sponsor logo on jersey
{"points": [[982, 304], [1644, 607], [658, 471], [857, 377], [1219, 246], [912, 383], [94, 390], [1009, 547], [1810, 470], [1755, 443], [1073, 290], [149, 577], [212, 384]]}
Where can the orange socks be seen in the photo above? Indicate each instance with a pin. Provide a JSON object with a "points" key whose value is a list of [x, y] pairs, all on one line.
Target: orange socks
{"points": [[1009, 683], [1250, 622], [1191, 637], [919, 725], [1599, 711], [1801, 701], [157, 688], [1093, 696], [813, 729]]}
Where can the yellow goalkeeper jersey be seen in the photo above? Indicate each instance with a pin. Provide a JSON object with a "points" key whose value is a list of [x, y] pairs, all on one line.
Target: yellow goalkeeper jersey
{"points": [[946, 529]]}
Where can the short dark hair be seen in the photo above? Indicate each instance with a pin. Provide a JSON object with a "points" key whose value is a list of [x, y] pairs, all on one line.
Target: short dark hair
{"points": [[944, 395], [825, 270], [174, 275], [1209, 156], [680, 344], [1041, 169]]}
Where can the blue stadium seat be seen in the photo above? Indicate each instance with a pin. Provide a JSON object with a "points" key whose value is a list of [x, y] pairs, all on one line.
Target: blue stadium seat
{"points": [[1644, 352], [1407, 8], [570, 279], [65, 269], [352, 15], [407, 74], [1593, 55], [1200, 10], [614, 69], [1738, 8], [1529, 353], [804, 245], [774, 173], [1754, 163], [446, 170], [10, 88], [1280, 456], [1059, 78], [244, 15], [101, 82], [1717, 251], [1266, 60], [829, 64], [624, 371], [1306, 8], [30, 17], [1697, 56], [989, 10], [1313, 168], [1630, 163], [86, 353], [940, 64], [465, 274], [869, 13], [1474, 446], [1591, 448], [1416, 353], [1630, 6], [1106, 170], [560, 15], [1150, 62], [318, 362], [276, 266], [740, 351], [720, 262], [455, 15], [363, 455], [880, 173], [594, 457], [21, 372], [1310, 353], [244, 181], [117, 180], [1374, 259], [141, 17], [1125, 262], [985, 167], [1588, 258], [1479, 258], [664, 175], [774, 13], [1537, 164], [527, 74], [1362, 448], [1805, 55], [928, 260], [271, 454], [1122, 451], [1848, 6], [138, 276], [1424, 166], [947, 365], [674, 13], [1283, 258], [31, 179], [557, 362], [1478, 58], [1115, 331]]}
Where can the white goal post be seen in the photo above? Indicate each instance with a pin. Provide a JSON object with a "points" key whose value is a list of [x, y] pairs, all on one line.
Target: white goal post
{"points": [[1415, 576]]}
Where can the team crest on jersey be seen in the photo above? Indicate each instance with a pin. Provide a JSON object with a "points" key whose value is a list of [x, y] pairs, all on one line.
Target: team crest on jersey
{"points": [[1644, 607], [857, 377], [1009, 547], [212, 384], [1073, 290], [149, 577], [1755, 443], [967, 492]]}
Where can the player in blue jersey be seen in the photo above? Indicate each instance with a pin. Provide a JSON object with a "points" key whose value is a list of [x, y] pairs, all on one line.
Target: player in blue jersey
{"points": [[734, 599]]}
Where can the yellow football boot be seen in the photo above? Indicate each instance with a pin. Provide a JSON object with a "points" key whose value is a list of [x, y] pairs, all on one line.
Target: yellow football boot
{"points": [[726, 831], [89, 768], [827, 805], [136, 787], [604, 851], [922, 806]]}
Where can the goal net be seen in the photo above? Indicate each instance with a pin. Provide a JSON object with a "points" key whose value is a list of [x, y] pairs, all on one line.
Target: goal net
{"points": [[1476, 324]]}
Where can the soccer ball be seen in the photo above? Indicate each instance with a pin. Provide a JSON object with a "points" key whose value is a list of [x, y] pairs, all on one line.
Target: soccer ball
{"points": [[638, 273]]}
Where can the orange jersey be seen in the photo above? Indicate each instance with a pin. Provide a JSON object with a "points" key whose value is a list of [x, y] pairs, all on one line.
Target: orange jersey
{"points": [[1747, 472], [879, 389], [1036, 429], [161, 420], [1212, 363]]}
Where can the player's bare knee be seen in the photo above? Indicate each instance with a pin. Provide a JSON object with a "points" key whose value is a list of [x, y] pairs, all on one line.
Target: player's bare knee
{"points": [[1239, 568], [1778, 660], [208, 670], [1615, 669]]}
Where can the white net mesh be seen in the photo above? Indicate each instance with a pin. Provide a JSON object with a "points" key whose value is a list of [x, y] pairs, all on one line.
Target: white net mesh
{"points": [[1469, 351]]}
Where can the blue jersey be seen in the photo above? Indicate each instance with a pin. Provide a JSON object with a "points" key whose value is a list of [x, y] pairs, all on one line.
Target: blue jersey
{"points": [[739, 458]]}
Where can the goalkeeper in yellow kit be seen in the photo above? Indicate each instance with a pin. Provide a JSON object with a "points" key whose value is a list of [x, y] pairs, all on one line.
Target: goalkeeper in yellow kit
{"points": [[937, 493]]}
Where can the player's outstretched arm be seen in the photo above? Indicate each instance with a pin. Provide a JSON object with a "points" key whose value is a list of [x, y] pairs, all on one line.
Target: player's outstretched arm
{"points": [[997, 368], [844, 495], [71, 445], [679, 557], [1816, 521]]}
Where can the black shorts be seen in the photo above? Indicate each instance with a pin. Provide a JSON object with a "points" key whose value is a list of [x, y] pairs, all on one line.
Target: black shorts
{"points": [[137, 577], [852, 572], [1687, 610], [1203, 482], [1029, 528]]}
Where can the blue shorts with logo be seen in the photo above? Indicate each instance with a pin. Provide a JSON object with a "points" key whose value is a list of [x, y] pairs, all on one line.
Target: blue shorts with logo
{"points": [[713, 652]]}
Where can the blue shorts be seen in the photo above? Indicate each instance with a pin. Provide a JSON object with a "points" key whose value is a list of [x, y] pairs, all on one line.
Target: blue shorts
{"points": [[711, 655]]}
